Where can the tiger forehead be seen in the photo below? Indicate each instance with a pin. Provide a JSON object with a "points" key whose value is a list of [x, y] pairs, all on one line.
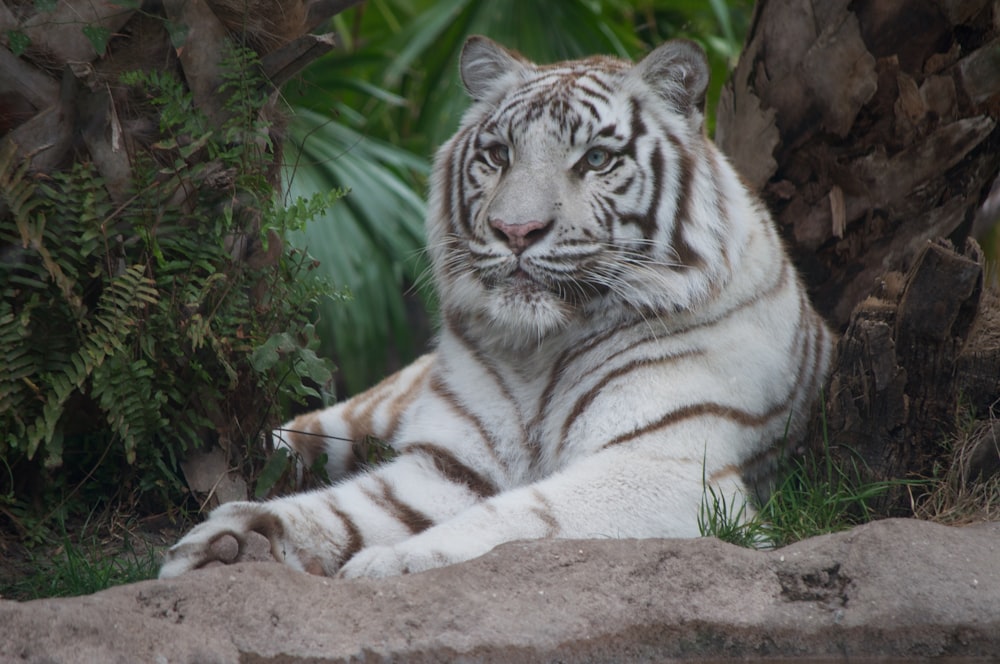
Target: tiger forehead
{"points": [[593, 63], [573, 95], [565, 79]]}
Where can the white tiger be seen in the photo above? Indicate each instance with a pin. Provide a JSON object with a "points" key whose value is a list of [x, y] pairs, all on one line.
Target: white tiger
{"points": [[620, 325]]}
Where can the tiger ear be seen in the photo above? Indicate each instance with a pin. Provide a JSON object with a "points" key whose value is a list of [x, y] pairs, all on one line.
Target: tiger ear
{"points": [[678, 71], [487, 68]]}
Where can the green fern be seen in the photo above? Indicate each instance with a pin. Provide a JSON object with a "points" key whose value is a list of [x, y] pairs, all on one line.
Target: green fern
{"points": [[133, 325]]}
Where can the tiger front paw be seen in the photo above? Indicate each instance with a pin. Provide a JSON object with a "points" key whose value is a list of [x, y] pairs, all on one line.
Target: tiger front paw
{"points": [[418, 554], [234, 532]]}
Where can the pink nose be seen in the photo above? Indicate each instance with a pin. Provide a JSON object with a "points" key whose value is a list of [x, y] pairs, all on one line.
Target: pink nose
{"points": [[520, 236]]}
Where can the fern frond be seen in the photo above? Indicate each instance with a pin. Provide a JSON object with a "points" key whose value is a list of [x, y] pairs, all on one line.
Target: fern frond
{"points": [[125, 391], [105, 334]]}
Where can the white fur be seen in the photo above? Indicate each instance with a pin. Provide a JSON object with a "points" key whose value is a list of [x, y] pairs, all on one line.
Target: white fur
{"points": [[587, 385]]}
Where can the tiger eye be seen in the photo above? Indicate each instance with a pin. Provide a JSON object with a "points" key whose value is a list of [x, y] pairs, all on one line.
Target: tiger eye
{"points": [[499, 154], [597, 158]]}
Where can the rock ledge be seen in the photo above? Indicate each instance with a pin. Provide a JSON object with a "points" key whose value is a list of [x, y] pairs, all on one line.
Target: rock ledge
{"points": [[900, 589]]}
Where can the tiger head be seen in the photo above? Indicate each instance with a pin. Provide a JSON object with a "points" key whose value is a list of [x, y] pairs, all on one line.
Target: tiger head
{"points": [[579, 189]]}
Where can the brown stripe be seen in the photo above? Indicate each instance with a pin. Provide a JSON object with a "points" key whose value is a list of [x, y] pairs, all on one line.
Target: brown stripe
{"points": [[574, 354], [306, 437], [402, 401], [805, 343], [544, 513], [490, 367], [584, 401], [778, 286], [711, 409], [725, 471], [358, 409], [452, 469], [363, 424], [355, 542], [437, 386], [414, 520], [566, 358]]}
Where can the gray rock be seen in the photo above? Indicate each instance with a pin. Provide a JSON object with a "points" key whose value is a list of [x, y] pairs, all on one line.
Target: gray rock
{"points": [[897, 589]]}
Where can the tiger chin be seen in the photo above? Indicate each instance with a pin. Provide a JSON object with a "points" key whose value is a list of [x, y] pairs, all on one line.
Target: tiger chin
{"points": [[620, 327]]}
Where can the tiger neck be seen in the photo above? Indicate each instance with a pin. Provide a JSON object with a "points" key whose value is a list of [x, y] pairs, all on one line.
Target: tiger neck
{"points": [[483, 338]]}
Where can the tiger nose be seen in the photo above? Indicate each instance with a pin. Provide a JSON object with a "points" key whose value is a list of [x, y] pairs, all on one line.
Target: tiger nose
{"points": [[520, 236]]}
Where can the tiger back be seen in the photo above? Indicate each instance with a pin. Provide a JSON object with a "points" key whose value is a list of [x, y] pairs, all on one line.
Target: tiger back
{"points": [[620, 327]]}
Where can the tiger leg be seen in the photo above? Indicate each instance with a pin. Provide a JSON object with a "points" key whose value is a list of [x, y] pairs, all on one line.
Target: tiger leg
{"points": [[320, 530], [584, 501], [333, 432], [340, 431]]}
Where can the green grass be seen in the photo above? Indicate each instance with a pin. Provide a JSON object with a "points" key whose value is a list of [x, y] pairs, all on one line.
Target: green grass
{"points": [[814, 497], [81, 568]]}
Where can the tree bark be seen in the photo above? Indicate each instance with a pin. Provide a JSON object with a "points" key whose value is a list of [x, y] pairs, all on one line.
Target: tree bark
{"points": [[871, 129]]}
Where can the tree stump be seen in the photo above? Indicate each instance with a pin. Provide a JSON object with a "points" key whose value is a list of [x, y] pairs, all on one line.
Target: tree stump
{"points": [[871, 129], [920, 359]]}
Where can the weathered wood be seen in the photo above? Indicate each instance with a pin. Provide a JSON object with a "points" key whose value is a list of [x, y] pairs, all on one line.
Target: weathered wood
{"points": [[904, 368], [201, 54], [281, 65], [19, 77], [60, 34], [871, 127]]}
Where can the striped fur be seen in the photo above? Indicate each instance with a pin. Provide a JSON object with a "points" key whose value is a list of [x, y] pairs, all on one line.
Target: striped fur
{"points": [[620, 323]]}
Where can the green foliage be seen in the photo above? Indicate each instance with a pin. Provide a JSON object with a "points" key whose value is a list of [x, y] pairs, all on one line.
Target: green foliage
{"points": [[817, 497], [131, 330], [18, 42], [813, 498], [98, 37], [728, 519], [370, 246]]}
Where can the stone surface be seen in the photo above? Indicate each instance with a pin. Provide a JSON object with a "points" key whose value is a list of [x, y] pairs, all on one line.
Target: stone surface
{"points": [[897, 589]]}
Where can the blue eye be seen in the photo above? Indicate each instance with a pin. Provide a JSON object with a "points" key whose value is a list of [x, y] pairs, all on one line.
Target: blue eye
{"points": [[596, 158]]}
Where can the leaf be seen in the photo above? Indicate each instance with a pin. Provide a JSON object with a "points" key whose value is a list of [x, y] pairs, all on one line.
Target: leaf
{"points": [[98, 36], [178, 33], [276, 466], [45, 6], [312, 366], [18, 42], [268, 354], [371, 245]]}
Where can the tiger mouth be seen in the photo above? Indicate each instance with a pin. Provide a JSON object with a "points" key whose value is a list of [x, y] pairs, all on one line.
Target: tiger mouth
{"points": [[520, 281]]}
